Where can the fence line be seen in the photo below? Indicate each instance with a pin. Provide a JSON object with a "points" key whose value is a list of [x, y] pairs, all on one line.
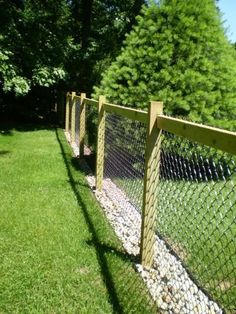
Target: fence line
{"points": [[210, 136], [155, 122]]}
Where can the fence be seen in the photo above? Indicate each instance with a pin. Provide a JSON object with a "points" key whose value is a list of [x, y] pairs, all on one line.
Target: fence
{"points": [[181, 177]]}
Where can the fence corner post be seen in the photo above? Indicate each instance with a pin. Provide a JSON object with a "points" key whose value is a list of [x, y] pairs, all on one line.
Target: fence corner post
{"points": [[82, 122], [100, 143], [151, 178], [67, 118], [73, 113]]}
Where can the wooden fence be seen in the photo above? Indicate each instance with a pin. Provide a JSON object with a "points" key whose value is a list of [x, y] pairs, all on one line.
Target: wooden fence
{"points": [[155, 122]]}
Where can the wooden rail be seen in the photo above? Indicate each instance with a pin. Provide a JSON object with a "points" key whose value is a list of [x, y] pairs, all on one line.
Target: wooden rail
{"points": [[89, 101], [77, 97], [213, 137], [130, 113]]}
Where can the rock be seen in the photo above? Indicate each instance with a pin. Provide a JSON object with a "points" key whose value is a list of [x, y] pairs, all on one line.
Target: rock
{"points": [[166, 298]]}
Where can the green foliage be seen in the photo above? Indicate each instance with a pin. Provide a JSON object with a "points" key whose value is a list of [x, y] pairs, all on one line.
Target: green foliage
{"points": [[46, 76], [35, 44], [43, 43], [177, 53], [8, 72], [101, 30]]}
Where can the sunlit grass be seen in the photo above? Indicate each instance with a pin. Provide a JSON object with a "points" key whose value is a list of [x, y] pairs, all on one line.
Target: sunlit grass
{"points": [[58, 254]]}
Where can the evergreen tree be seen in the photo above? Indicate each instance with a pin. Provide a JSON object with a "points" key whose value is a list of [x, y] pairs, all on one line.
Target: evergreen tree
{"points": [[177, 53]]}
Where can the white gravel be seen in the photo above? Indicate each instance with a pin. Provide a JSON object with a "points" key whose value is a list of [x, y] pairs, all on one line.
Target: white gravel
{"points": [[168, 282]]}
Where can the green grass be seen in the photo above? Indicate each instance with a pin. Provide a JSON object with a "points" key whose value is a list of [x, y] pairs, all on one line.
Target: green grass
{"points": [[58, 254], [198, 221]]}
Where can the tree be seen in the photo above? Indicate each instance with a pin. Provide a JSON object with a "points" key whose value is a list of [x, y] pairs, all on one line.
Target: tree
{"points": [[99, 27], [45, 42], [177, 53], [35, 43]]}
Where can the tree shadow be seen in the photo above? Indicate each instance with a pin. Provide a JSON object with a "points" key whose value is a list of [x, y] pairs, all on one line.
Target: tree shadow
{"points": [[4, 152], [8, 125], [127, 291]]}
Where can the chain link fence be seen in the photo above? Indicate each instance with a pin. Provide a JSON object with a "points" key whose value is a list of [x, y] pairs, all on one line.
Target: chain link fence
{"points": [[124, 156], [70, 115], [196, 211], [77, 111], [91, 128], [196, 202]]}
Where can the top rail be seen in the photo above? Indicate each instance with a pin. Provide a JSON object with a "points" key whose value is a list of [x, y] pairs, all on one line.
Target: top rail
{"points": [[210, 136], [89, 101], [203, 134], [133, 114]]}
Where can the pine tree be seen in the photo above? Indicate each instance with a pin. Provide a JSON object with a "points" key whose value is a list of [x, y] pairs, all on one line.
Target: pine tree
{"points": [[177, 53]]}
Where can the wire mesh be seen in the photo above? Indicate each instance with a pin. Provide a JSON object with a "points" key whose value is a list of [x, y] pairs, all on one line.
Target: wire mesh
{"points": [[196, 214], [91, 127], [196, 204], [77, 113], [69, 112], [124, 155]]}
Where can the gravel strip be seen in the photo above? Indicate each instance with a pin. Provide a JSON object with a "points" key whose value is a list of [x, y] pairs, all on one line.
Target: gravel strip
{"points": [[168, 282]]}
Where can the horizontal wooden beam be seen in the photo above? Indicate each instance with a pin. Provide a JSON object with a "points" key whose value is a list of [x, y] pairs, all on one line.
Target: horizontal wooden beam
{"points": [[89, 101], [77, 97], [213, 137], [133, 114]]}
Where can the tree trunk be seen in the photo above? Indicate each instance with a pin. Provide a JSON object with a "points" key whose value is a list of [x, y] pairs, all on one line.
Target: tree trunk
{"points": [[86, 22]]}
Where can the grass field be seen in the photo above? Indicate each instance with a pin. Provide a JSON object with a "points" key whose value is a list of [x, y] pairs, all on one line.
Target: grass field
{"points": [[197, 220], [58, 254]]}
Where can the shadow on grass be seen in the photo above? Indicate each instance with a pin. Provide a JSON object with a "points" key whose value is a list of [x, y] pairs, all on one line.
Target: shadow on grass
{"points": [[4, 152], [126, 290], [7, 127]]}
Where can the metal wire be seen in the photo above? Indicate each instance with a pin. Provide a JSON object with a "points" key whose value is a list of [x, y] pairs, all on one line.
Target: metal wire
{"points": [[70, 115], [77, 110], [91, 127], [196, 201], [196, 213], [124, 155]]}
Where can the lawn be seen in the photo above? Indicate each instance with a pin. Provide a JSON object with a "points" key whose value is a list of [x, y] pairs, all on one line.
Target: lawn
{"points": [[58, 254]]}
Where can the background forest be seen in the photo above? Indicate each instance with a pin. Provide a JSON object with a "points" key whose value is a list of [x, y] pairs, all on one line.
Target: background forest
{"points": [[175, 51]]}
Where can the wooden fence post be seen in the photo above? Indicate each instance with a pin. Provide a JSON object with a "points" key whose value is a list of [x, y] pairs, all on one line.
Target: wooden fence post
{"points": [[73, 113], [100, 143], [151, 178], [67, 112], [82, 121]]}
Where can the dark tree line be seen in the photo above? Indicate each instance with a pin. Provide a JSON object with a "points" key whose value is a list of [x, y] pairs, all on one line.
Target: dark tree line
{"points": [[45, 43], [176, 51]]}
